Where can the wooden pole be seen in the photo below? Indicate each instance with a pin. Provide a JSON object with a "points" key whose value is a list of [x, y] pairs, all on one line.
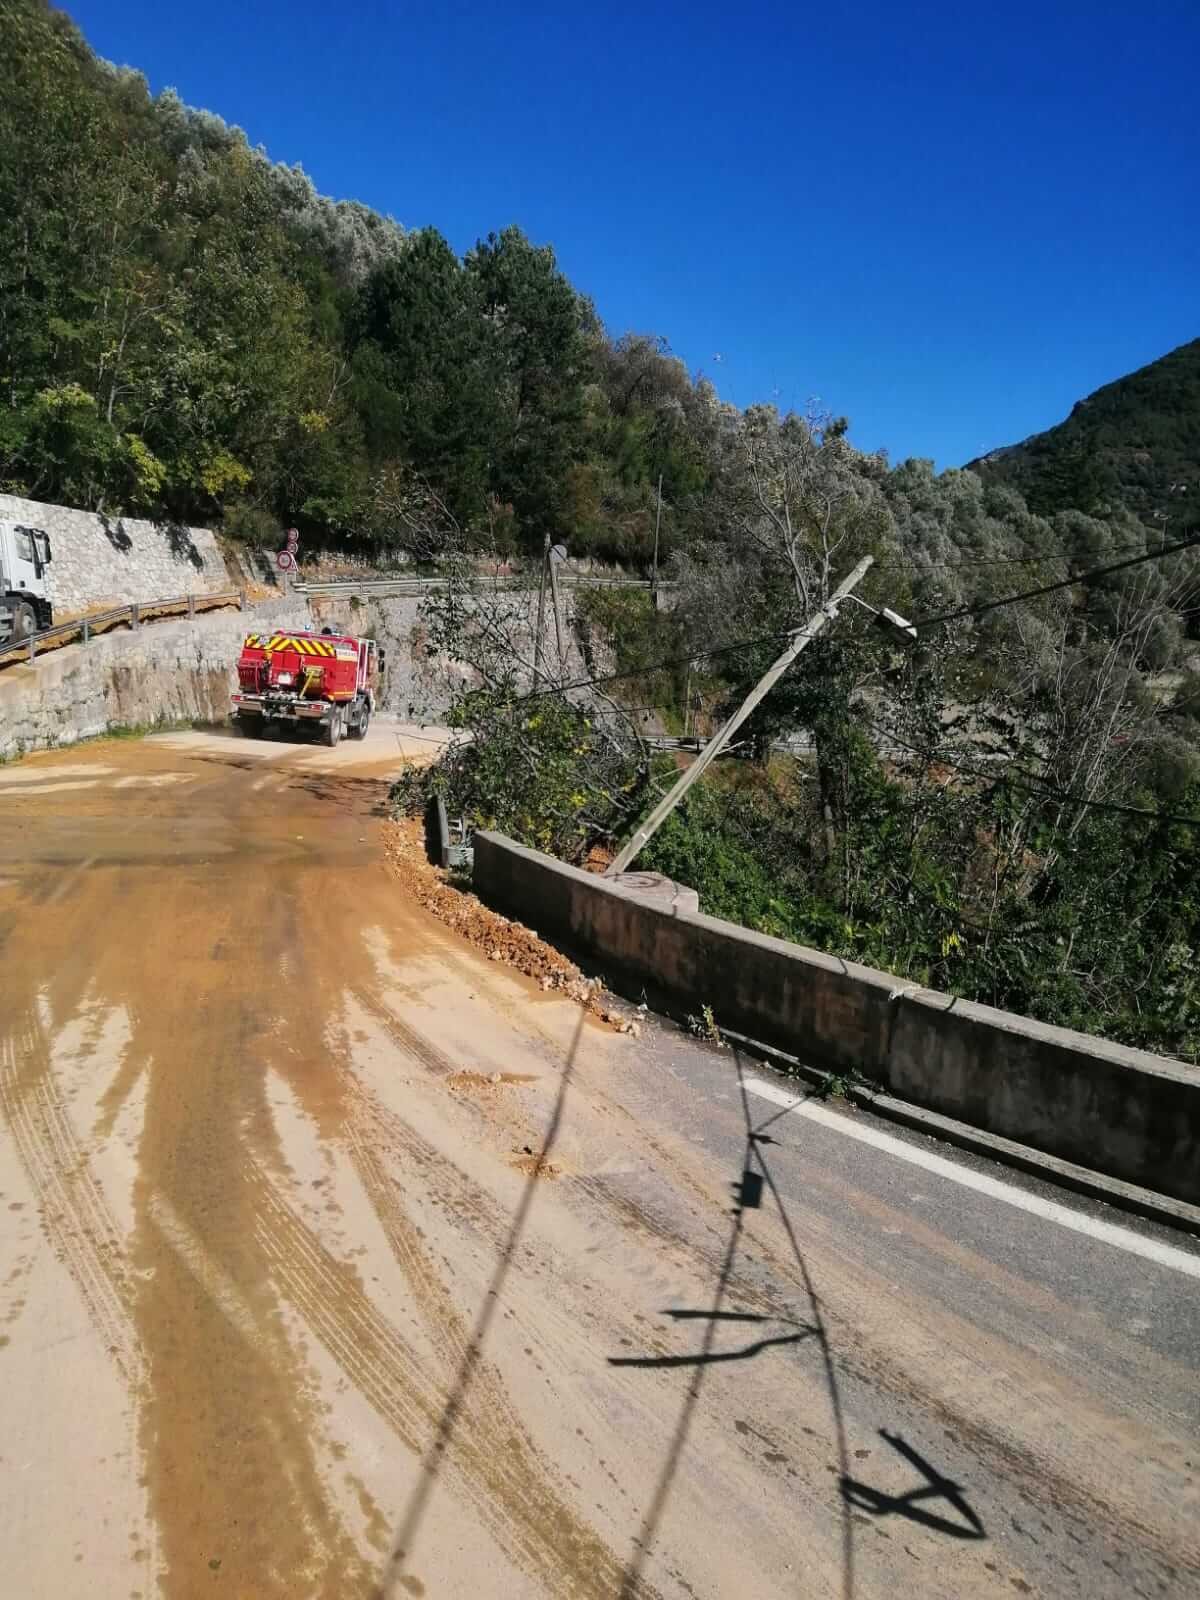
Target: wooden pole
{"points": [[553, 566], [654, 572]]}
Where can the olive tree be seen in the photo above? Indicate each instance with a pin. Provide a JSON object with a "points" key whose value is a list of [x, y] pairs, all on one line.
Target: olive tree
{"points": [[793, 507]]}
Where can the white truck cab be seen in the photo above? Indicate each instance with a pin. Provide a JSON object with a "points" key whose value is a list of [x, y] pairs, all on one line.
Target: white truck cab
{"points": [[24, 601]]}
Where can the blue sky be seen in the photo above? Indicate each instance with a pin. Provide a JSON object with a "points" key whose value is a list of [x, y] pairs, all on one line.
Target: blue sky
{"points": [[947, 221]]}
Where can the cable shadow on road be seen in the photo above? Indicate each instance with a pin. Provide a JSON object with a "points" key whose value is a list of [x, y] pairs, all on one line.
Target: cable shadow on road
{"points": [[936, 1487], [859, 1496], [749, 1188], [743, 1353], [643, 1543], [418, 1504]]}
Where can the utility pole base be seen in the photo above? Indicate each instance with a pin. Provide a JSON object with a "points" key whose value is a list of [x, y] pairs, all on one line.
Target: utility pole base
{"points": [[656, 889]]}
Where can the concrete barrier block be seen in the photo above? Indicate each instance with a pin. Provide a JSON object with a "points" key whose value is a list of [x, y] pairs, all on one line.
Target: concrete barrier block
{"points": [[1103, 1105], [1124, 1112], [657, 889]]}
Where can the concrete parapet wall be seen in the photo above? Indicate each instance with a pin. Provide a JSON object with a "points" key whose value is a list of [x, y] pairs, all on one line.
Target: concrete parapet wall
{"points": [[1123, 1112]]}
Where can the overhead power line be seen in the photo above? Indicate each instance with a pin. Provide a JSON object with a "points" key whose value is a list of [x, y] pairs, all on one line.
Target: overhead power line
{"points": [[658, 666], [1034, 784], [996, 561], [739, 645], [982, 606]]}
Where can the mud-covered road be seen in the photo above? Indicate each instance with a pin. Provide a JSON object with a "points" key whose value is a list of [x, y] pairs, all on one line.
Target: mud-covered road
{"points": [[337, 1261]]}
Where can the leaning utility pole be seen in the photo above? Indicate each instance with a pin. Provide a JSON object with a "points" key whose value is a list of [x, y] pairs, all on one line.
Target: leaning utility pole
{"points": [[799, 640]]}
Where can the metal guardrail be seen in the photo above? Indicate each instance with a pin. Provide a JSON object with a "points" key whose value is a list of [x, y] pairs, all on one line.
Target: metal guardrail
{"points": [[447, 840], [137, 612], [400, 586]]}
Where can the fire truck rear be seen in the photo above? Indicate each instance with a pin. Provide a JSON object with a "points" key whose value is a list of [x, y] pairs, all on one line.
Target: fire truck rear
{"points": [[325, 681]]}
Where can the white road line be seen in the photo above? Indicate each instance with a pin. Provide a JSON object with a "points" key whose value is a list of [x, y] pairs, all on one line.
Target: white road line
{"points": [[1164, 1255]]}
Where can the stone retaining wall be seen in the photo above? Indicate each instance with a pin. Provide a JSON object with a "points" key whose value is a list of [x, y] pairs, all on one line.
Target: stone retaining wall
{"points": [[101, 561], [161, 672], [418, 688]]}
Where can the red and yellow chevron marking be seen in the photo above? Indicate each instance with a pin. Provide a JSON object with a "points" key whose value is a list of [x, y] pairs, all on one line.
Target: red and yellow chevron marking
{"points": [[276, 642]]}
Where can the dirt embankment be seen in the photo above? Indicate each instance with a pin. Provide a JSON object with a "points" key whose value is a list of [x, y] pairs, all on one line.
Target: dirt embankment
{"points": [[510, 943]]}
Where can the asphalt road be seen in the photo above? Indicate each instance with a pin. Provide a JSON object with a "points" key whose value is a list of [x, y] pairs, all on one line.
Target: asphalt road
{"points": [[338, 1261]]}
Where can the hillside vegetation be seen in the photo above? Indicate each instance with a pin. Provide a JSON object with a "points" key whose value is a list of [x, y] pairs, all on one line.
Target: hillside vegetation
{"points": [[189, 330]]}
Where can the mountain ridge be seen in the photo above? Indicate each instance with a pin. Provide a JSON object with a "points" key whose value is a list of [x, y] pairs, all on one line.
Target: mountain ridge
{"points": [[1132, 444]]}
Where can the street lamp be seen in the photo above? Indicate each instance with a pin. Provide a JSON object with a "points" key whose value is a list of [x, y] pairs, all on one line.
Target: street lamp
{"points": [[890, 621]]}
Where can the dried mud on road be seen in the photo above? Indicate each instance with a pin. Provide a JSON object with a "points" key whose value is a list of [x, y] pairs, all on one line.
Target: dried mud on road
{"points": [[334, 1263], [498, 937]]}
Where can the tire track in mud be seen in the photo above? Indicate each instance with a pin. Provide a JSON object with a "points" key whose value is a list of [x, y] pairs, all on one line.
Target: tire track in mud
{"points": [[490, 1452], [402, 1034], [321, 1557], [75, 1216], [473, 1202], [332, 1303], [532, 1502]]}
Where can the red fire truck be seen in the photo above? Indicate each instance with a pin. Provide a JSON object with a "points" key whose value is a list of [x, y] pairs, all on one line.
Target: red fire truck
{"points": [[326, 681]]}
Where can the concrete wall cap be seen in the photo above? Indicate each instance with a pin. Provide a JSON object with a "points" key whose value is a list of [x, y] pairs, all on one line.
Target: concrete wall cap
{"points": [[1015, 1025]]}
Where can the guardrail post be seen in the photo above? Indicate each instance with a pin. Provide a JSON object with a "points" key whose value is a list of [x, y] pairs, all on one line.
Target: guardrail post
{"points": [[443, 833], [191, 605], [134, 618], [32, 647], [87, 631]]}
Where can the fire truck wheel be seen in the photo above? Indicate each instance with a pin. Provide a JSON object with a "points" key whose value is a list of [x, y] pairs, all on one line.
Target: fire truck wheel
{"points": [[358, 728], [333, 728], [251, 727]]}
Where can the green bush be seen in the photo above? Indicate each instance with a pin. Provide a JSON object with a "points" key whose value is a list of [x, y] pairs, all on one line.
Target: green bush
{"points": [[539, 770], [1099, 930]]}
